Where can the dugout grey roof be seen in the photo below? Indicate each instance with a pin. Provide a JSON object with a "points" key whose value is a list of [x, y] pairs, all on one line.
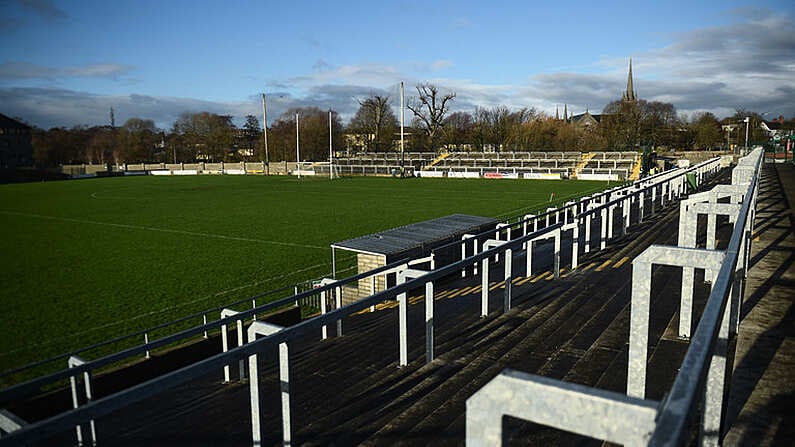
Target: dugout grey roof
{"points": [[420, 235]]}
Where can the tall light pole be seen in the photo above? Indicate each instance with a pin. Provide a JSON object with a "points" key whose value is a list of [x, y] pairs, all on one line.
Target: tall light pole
{"points": [[265, 134], [402, 120], [297, 149], [747, 124], [727, 129], [330, 152]]}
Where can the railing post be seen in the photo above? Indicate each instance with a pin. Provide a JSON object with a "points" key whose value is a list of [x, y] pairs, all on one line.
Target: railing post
{"points": [[464, 252], [610, 224], [267, 329], [603, 233], [528, 269], [324, 328], [429, 303], [627, 205], [338, 294], [716, 385], [653, 199], [556, 259], [403, 323], [639, 329], [372, 287], [711, 229], [225, 344], [475, 250], [575, 246], [587, 240], [508, 279], [72, 362], [484, 293], [641, 205]]}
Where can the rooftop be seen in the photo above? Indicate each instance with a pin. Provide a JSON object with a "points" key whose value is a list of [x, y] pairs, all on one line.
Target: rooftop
{"points": [[416, 235]]}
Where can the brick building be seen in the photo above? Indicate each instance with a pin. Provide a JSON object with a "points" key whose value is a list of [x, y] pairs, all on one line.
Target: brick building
{"points": [[16, 149]]}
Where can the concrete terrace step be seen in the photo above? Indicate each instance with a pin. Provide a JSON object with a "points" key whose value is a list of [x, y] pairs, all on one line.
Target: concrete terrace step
{"points": [[562, 342], [454, 354]]}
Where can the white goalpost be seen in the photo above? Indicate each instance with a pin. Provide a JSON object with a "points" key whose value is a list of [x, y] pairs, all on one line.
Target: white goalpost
{"points": [[319, 168]]}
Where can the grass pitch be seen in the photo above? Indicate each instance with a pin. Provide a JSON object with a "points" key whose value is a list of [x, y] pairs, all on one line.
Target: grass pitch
{"points": [[84, 261]]}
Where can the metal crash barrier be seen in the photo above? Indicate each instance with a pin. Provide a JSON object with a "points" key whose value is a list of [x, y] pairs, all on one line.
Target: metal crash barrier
{"points": [[701, 385]]}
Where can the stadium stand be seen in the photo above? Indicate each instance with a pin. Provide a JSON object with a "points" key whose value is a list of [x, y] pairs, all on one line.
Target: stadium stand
{"points": [[616, 165], [561, 163]]}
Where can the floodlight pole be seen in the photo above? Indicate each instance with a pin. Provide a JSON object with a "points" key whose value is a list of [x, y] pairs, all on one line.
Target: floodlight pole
{"points": [[402, 121], [330, 164], [265, 133], [297, 150], [728, 144], [747, 122]]}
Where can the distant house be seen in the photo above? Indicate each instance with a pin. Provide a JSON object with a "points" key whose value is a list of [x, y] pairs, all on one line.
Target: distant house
{"points": [[16, 148], [357, 142], [772, 128], [586, 120]]}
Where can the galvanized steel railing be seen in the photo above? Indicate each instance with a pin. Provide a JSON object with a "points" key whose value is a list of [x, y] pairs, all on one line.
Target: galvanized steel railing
{"points": [[669, 185], [701, 382]]}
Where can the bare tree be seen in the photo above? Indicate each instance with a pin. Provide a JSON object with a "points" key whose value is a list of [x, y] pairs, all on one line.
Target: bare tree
{"points": [[206, 135], [429, 110], [313, 129], [458, 130], [376, 121]]}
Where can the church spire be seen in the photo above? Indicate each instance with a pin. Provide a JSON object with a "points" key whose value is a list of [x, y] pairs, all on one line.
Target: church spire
{"points": [[565, 112], [629, 94], [557, 115]]}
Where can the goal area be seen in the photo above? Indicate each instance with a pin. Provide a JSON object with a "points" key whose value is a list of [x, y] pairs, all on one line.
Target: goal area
{"points": [[319, 168]]}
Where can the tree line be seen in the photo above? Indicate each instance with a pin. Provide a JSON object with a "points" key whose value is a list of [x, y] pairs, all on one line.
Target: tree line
{"points": [[205, 136]]}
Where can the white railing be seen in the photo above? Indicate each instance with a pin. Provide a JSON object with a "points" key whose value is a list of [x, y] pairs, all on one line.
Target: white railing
{"points": [[702, 381], [645, 195]]}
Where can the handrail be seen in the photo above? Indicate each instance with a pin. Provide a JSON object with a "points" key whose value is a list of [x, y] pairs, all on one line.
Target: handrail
{"points": [[99, 407], [288, 299], [694, 389], [138, 333], [666, 176], [34, 385], [149, 388], [687, 389]]}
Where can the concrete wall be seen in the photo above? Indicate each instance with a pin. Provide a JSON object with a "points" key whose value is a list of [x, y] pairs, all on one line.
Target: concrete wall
{"points": [[251, 167], [83, 169], [696, 156], [366, 263]]}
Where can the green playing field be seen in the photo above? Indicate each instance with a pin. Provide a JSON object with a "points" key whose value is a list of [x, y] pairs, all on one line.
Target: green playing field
{"points": [[86, 260]]}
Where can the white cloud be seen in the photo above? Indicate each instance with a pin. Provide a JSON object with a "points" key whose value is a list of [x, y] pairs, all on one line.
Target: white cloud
{"points": [[746, 65], [98, 70], [23, 70], [441, 64], [52, 107]]}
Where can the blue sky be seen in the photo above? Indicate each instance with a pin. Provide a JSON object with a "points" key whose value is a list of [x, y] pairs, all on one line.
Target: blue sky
{"points": [[67, 63]]}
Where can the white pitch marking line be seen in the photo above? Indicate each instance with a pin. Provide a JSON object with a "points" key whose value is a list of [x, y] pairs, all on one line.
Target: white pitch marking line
{"points": [[163, 230]]}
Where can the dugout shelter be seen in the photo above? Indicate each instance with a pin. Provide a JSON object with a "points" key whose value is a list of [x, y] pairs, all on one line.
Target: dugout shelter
{"points": [[410, 241]]}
